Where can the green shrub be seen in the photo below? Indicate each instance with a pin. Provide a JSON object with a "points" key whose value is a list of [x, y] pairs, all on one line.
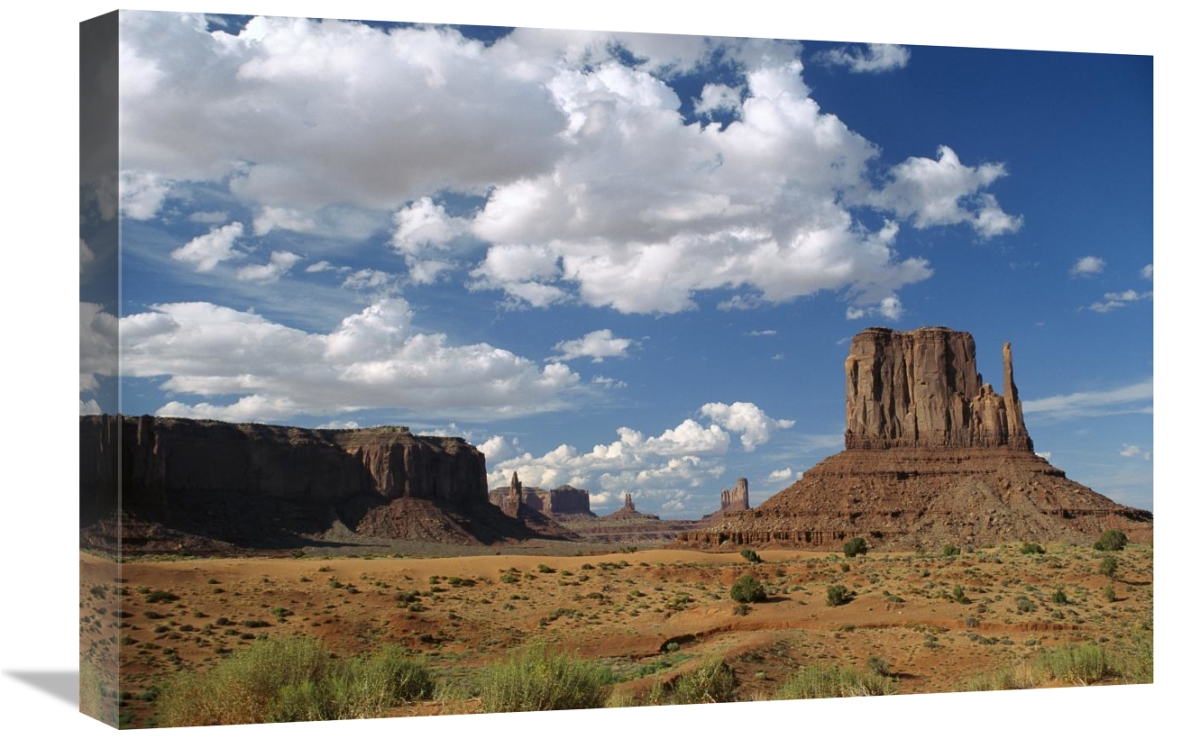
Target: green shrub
{"points": [[960, 595], [815, 681], [536, 680], [1110, 595], [1113, 540], [1031, 548], [751, 556], [836, 595], [712, 682], [854, 547], [161, 596], [950, 550], [747, 589], [1108, 567], [1060, 596]]}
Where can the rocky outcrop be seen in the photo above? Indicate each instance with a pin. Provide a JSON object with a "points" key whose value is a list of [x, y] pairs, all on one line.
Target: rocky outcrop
{"points": [[260, 485], [563, 500], [627, 510], [933, 456], [920, 390], [737, 499]]}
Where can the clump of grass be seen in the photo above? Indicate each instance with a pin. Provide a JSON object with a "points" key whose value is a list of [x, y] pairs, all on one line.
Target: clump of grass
{"points": [[815, 681], [950, 550], [1108, 567], [1032, 548], [1078, 664], [538, 680], [293, 679], [712, 682]]}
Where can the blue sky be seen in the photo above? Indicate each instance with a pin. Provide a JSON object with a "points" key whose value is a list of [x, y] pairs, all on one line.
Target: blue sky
{"points": [[622, 261]]}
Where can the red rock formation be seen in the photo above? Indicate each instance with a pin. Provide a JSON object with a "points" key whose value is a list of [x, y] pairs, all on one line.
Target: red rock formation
{"points": [[737, 499], [563, 500], [627, 510], [261, 485], [920, 390], [933, 456]]}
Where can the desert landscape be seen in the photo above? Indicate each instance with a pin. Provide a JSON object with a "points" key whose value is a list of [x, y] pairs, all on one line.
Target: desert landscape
{"points": [[342, 574]]}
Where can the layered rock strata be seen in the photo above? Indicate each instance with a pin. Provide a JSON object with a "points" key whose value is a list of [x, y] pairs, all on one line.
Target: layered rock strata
{"points": [[933, 456], [258, 485]]}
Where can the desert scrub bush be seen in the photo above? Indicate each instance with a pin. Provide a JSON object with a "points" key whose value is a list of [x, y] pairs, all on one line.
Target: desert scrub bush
{"points": [[292, 679], [712, 682], [1060, 596], [959, 595], [539, 680], [161, 596], [747, 589], [815, 681], [1113, 540], [1032, 548], [854, 547], [751, 556], [1108, 567], [950, 550], [1110, 595], [836, 595]]}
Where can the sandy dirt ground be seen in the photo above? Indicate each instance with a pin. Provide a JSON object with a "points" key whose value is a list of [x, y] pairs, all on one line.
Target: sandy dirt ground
{"points": [[648, 614]]}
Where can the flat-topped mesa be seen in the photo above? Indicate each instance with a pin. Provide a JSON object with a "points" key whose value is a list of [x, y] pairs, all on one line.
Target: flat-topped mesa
{"points": [[920, 390]]}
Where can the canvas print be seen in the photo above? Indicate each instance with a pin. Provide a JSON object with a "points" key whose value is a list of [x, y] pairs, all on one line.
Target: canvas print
{"points": [[432, 369]]}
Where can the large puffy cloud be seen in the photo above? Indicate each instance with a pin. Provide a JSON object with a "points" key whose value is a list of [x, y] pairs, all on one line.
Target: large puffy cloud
{"points": [[749, 420], [946, 192], [305, 114], [374, 359], [597, 189]]}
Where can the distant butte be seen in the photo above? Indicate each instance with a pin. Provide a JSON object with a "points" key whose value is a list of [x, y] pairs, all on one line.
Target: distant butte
{"points": [[933, 456]]}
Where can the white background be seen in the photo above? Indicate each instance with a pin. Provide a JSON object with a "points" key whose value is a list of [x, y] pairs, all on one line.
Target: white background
{"points": [[39, 267]]}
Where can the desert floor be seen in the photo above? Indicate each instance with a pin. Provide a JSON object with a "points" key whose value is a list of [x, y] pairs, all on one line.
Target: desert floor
{"points": [[648, 614]]}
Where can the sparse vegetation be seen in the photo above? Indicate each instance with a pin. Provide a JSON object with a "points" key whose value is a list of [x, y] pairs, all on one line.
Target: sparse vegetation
{"points": [[712, 682], [1108, 567], [751, 556], [951, 550], [854, 547], [836, 595], [1032, 548]]}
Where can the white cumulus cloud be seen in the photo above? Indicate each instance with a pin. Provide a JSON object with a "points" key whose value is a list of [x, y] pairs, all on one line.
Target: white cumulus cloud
{"points": [[1087, 266], [373, 359], [783, 475], [210, 249], [747, 419], [1135, 398], [279, 264], [598, 345]]}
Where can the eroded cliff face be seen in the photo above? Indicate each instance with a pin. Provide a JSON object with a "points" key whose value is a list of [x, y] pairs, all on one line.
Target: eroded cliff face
{"points": [[563, 500], [262, 484], [920, 390]]}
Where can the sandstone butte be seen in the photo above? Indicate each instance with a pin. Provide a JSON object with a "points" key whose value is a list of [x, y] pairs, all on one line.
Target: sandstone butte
{"points": [[933, 456], [213, 486]]}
